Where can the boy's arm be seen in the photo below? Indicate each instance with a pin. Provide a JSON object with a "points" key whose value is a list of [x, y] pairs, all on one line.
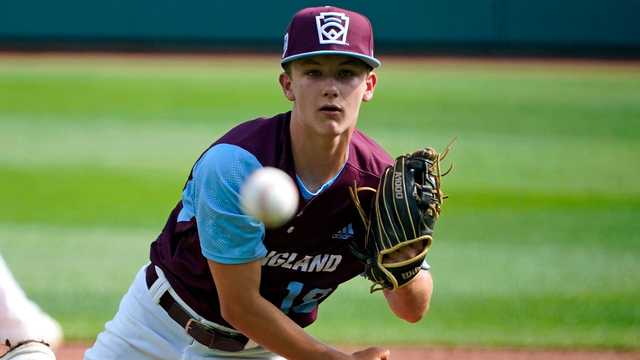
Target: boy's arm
{"points": [[411, 301], [243, 307]]}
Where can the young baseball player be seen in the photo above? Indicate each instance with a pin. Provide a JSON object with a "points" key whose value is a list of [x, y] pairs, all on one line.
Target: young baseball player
{"points": [[222, 286]]}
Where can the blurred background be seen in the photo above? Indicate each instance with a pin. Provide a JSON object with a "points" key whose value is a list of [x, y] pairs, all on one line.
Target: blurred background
{"points": [[104, 107], [594, 28]]}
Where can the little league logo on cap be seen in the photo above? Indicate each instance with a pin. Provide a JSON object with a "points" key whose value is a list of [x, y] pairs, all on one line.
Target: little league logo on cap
{"points": [[329, 30], [332, 28]]}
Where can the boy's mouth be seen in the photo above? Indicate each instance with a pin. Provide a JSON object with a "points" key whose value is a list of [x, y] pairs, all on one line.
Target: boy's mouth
{"points": [[331, 108]]}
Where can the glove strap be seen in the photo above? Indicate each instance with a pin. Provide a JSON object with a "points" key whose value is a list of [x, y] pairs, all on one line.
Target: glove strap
{"points": [[400, 273]]}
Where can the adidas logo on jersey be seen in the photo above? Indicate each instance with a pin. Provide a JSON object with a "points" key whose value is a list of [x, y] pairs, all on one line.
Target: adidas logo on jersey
{"points": [[345, 233]]}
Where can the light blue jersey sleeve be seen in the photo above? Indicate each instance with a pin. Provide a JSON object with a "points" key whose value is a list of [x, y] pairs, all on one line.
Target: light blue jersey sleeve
{"points": [[227, 236]]}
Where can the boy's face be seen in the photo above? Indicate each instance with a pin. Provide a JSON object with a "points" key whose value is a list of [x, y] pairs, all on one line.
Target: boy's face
{"points": [[327, 91]]}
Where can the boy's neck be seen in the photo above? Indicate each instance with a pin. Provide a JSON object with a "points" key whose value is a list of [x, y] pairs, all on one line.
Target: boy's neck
{"points": [[318, 159]]}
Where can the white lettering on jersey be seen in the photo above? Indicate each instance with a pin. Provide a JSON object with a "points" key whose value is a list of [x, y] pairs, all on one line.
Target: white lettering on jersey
{"points": [[278, 259], [332, 264], [288, 264], [318, 262], [302, 264], [306, 263]]}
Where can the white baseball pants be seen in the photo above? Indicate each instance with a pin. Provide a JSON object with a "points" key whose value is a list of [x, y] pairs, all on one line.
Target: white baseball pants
{"points": [[142, 330]]}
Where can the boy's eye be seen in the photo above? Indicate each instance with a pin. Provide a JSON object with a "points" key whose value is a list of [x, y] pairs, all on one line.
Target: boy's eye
{"points": [[345, 73], [312, 72]]}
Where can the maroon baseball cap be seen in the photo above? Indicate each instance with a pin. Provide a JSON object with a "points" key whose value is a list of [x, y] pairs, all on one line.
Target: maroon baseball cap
{"points": [[329, 30]]}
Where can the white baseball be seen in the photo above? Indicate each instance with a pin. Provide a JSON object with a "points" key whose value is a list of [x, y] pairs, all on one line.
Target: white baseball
{"points": [[270, 196]]}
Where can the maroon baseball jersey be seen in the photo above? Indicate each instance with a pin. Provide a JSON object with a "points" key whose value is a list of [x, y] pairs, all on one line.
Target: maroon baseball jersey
{"points": [[304, 260]]}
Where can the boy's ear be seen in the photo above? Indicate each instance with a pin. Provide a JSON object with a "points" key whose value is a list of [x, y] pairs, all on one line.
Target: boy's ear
{"points": [[371, 81], [285, 83]]}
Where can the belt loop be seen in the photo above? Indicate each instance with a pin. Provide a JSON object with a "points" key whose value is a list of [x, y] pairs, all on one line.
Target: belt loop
{"points": [[159, 287], [187, 327]]}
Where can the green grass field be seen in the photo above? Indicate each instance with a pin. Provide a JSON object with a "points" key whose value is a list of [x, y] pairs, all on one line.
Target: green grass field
{"points": [[539, 244]]}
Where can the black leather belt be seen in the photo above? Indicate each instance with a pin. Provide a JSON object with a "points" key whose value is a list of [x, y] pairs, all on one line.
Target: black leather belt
{"points": [[206, 335]]}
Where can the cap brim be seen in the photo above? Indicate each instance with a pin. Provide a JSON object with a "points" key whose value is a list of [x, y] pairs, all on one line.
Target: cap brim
{"points": [[369, 60]]}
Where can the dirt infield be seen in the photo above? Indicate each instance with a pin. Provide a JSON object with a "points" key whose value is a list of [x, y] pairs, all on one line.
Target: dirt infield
{"points": [[74, 351], [441, 353]]}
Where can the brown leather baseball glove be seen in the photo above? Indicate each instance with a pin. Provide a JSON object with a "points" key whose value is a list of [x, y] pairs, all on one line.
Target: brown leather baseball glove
{"points": [[402, 218]]}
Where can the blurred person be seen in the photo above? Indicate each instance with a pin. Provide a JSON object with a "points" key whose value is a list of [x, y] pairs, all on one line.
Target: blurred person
{"points": [[222, 286], [20, 318]]}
